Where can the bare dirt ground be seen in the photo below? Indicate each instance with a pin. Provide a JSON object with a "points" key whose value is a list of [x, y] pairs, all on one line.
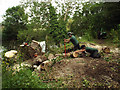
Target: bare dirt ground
{"points": [[86, 72]]}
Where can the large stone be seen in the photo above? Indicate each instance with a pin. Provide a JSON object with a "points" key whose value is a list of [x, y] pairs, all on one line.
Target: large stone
{"points": [[10, 54]]}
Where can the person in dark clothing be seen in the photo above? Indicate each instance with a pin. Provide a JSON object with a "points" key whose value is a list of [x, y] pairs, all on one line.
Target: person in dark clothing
{"points": [[93, 52], [73, 40]]}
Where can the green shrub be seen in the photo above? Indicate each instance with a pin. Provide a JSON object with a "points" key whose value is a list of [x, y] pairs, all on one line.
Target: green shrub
{"points": [[22, 79], [114, 36], [29, 35], [88, 36]]}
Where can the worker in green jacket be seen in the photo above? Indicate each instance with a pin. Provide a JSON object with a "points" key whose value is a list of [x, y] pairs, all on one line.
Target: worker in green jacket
{"points": [[73, 40], [93, 52]]}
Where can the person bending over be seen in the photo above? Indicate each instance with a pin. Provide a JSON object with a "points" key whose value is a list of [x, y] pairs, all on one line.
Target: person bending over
{"points": [[93, 52]]}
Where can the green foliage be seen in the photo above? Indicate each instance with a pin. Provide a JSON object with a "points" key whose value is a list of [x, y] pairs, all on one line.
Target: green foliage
{"points": [[29, 35], [86, 21], [68, 25], [22, 79], [95, 16], [114, 36], [85, 82], [56, 28], [15, 20], [111, 14], [58, 59], [8, 62], [87, 36], [39, 15]]}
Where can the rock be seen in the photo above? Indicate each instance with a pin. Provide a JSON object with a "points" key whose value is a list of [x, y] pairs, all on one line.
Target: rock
{"points": [[22, 45], [26, 65], [10, 54]]}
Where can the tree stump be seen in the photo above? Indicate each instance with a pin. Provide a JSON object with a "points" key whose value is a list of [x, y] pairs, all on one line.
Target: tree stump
{"points": [[36, 47], [30, 50]]}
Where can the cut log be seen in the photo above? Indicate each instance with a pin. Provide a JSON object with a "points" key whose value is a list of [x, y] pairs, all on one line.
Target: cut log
{"points": [[75, 54], [68, 54], [71, 54]]}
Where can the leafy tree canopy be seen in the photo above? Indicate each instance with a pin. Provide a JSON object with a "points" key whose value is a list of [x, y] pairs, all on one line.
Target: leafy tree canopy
{"points": [[15, 20]]}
